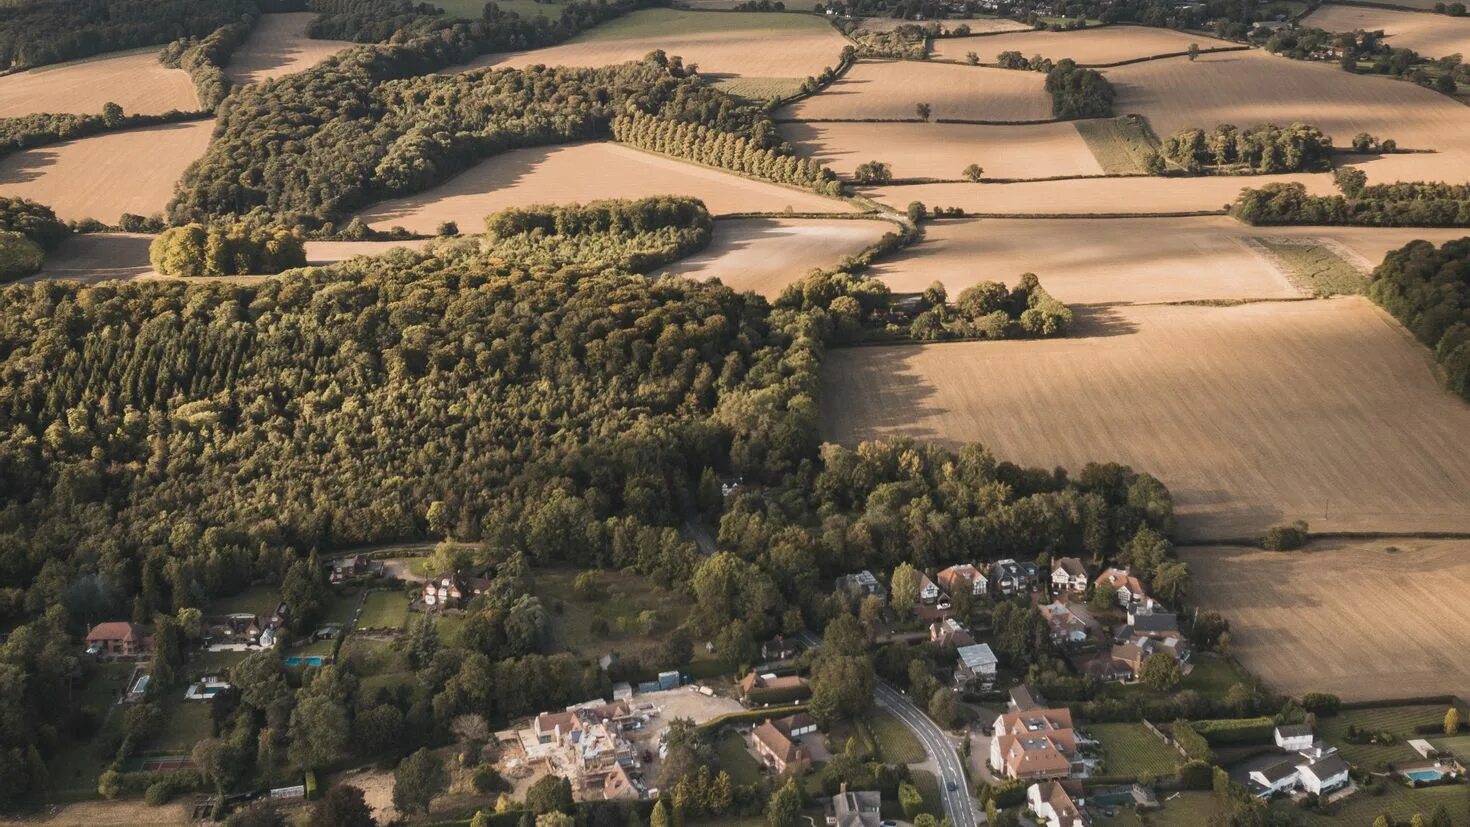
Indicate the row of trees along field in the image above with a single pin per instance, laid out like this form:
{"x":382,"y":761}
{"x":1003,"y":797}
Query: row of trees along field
{"x":54,"y":31}
{"x":628,"y":235}
{"x":1262,"y":149}
{"x":363,"y":127}
{"x":197,"y":250}
{"x":1428,"y":290}
{"x":205,"y":58}
{"x":1404,"y":204}
{"x":28,"y":131}
{"x":1077,"y":92}
{"x":27,"y":232}
{"x":748,"y":156}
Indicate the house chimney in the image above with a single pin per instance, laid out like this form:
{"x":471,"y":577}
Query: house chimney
{"x":843,"y":789}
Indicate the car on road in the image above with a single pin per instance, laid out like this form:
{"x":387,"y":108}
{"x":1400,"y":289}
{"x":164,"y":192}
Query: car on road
{"x":952,"y":786}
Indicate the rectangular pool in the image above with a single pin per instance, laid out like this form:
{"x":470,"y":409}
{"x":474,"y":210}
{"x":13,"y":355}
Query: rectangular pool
{"x":1424,"y":776}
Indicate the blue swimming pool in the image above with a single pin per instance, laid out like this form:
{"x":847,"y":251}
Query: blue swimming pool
{"x":1424,"y":776}
{"x":308,"y":660}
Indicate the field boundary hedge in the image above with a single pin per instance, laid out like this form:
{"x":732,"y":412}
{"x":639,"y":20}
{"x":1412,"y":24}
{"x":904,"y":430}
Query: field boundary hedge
{"x":1059,"y":216}
{"x":749,"y":716}
{"x":1113,"y":65}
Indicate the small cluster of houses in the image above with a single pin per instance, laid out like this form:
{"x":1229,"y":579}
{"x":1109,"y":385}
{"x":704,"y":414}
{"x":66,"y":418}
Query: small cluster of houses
{"x":1307,"y":766}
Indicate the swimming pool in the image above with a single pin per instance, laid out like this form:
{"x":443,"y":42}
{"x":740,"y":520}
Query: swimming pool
{"x":1424,"y":776}
{"x":307,"y":660}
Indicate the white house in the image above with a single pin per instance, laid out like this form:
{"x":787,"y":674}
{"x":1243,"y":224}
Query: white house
{"x":1058,"y":803}
{"x":1277,"y":778}
{"x":1324,"y":775}
{"x":1294,"y":737}
{"x":977,"y":666}
{"x":1068,"y":575}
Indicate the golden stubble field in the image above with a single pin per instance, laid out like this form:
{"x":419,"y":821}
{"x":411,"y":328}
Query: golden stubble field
{"x":134,"y":80}
{"x":96,"y":257}
{"x":892,"y":89}
{"x":978,"y":25}
{"x":583,"y":172}
{"x":104,"y":176}
{"x":1125,"y":260}
{"x":943,"y":150}
{"x":747,"y":44}
{"x":1364,"y":619}
{"x":1096,"y":46}
{"x":278,"y":46}
{"x":1092,"y":196}
{"x":1431,"y":35}
{"x":767,"y":254}
{"x":1247,"y":88}
{"x":1252,"y":415}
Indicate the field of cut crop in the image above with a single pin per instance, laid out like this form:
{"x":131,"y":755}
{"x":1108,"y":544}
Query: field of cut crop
{"x":1246,"y":88}
{"x":134,"y":80}
{"x":891,"y":89}
{"x":766,"y":254}
{"x":278,"y":46}
{"x":1252,"y":415}
{"x":107,"y":175}
{"x":747,"y":45}
{"x":1364,"y":619}
{"x":1109,"y":44}
{"x":106,"y":256}
{"x":1093,"y":196}
{"x":1431,"y":35}
{"x":978,"y":25}
{"x":943,"y":150}
{"x":583,"y":172}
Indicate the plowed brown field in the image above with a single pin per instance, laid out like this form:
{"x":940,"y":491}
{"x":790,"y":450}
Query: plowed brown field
{"x":943,"y":150}
{"x":891,"y":90}
{"x":278,"y":46}
{"x":136,"y":81}
{"x":1252,"y":415}
{"x":1364,"y":619}
{"x":767,"y":254}
{"x":1108,"y":44}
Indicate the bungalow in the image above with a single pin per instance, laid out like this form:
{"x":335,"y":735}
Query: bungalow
{"x":1012,"y":577}
{"x":964,"y":577}
{"x":1068,"y":575}
{"x":1129,"y":588}
{"x":778,"y":742}
{"x":861,"y":585}
{"x":976,"y":667}
{"x":1058,"y":803}
{"x":779,"y":648}
{"x":1066,"y":627}
{"x":119,"y":639}
{"x":1293,"y":737}
{"x":1324,"y":775}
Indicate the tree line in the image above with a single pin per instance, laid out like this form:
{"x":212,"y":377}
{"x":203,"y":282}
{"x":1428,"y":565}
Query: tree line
{"x":55,"y":31}
{"x":205,"y":58}
{"x":1428,"y":290}
{"x":1353,"y":49}
{"x":28,"y":131}
{"x":235,"y":250}
{"x":1405,"y":204}
{"x":1263,"y":149}
{"x":725,"y":150}
{"x":362,"y":127}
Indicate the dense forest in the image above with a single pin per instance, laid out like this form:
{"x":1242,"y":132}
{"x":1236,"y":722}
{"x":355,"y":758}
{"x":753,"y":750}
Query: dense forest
{"x":197,"y":250}
{"x":636,"y":236}
{"x":307,"y":148}
{"x":1428,"y":290}
{"x":53,"y":31}
{"x":205,"y":59}
{"x":1077,"y":92}
{"x":1263,"y":149}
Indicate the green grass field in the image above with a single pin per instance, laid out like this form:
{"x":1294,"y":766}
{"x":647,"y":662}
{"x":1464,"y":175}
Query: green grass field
{"x":1120,"y":145}
{"x":629,"y":615}
{"x":258,"y":599}
{"x":1213,"y":677}
{"x":384,"y":610}
{"x":1314,"y":267}
{"x":1187,"y":809}
{"x":185,"y":723}
{"x":1129,"y":749}
{"x":76,"y":765}
{"x":928,"y":787}
{"x":737,"y":760}
{"x":759,"y":89}
{"x":895,"y":742}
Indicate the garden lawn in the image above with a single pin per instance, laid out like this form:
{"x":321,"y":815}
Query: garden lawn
{"x":260,"y":599}
{"x":895,"y":742}
{"x":628,"y":613}
{"x":1399,"y":721}
{"x":1213,"y":677}
{"x":928,"y":787}
{"x":185,"y":723}
{"x":1131,"y":750}
{"x":76,"y":765}
{"x":384,"y":610}
{"x":737,"y":760}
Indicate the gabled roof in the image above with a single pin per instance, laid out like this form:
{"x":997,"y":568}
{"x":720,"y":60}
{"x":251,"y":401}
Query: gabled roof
{"x":776,"y":736}
{"x":1279,"y":771}
{"x":1326,"y":766}
{"x":1293,"y":730}
{"x":116,"y":630}
{"x":1071,"y":565}
{"x":1119,"y":579}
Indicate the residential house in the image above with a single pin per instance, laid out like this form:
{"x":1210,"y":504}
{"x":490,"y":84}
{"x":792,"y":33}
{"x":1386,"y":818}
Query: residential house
{"x":928,"y":591}
{"x":779,"y":648}
{"x":444,"y":591}
{"x":1150,"y":629}
{"x":1033,"y":745}
{"x":778,"y":742}
{"x":1129,"y":588}
{"x":1058,"y":803}
{"x":1277,"y":778}
{"x":612,"y":785}
{"x":1293,"y":737}
{"x":1325,"y":774}
{"x":1068,"y":575}
{"x":859,"y":809}
{"x":964,"y":577}
{"x":948,"y":632}
{"x":976,"y":667}
{"x":787,"y":686}
{"x":1103,"y":666}
{"x":1011,"y":577}
{"x":119,"y":639}
{"x":1311,"y":770}
{"x":861,"y":585}
{"x":346,"y":568}
{"x":1023,"y":699}
{"x":1066,"y":627}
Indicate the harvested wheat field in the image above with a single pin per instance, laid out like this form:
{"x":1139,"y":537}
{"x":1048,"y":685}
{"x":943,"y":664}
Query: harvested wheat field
{"x":134,"y":80}
{"x":978,"y":25}
{"x":767,"y":254}
{"x":1092,"y":47}
{"x":1246,"y":88}
{"x":107,"y":256}
{"x":943,"y":150}
{"x":1092,"y":261}
{"x":1431,"y":35}
{"x":1092,"y":196}
{"x":278,"y":46}
{"x":748,"y":45}
{"x":1299,"y":619}
{"x":1253,"y":415}
{"x":102,"y":177}
{"x":891,"y":89}
{"x":1101,"y":260}
{"x":583,"y":172}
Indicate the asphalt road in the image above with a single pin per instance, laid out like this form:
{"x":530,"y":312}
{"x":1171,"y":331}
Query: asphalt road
{"x":958,"y":805}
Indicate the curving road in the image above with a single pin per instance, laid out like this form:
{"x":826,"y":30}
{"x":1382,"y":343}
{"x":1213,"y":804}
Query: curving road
{"x":958,"y":806}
